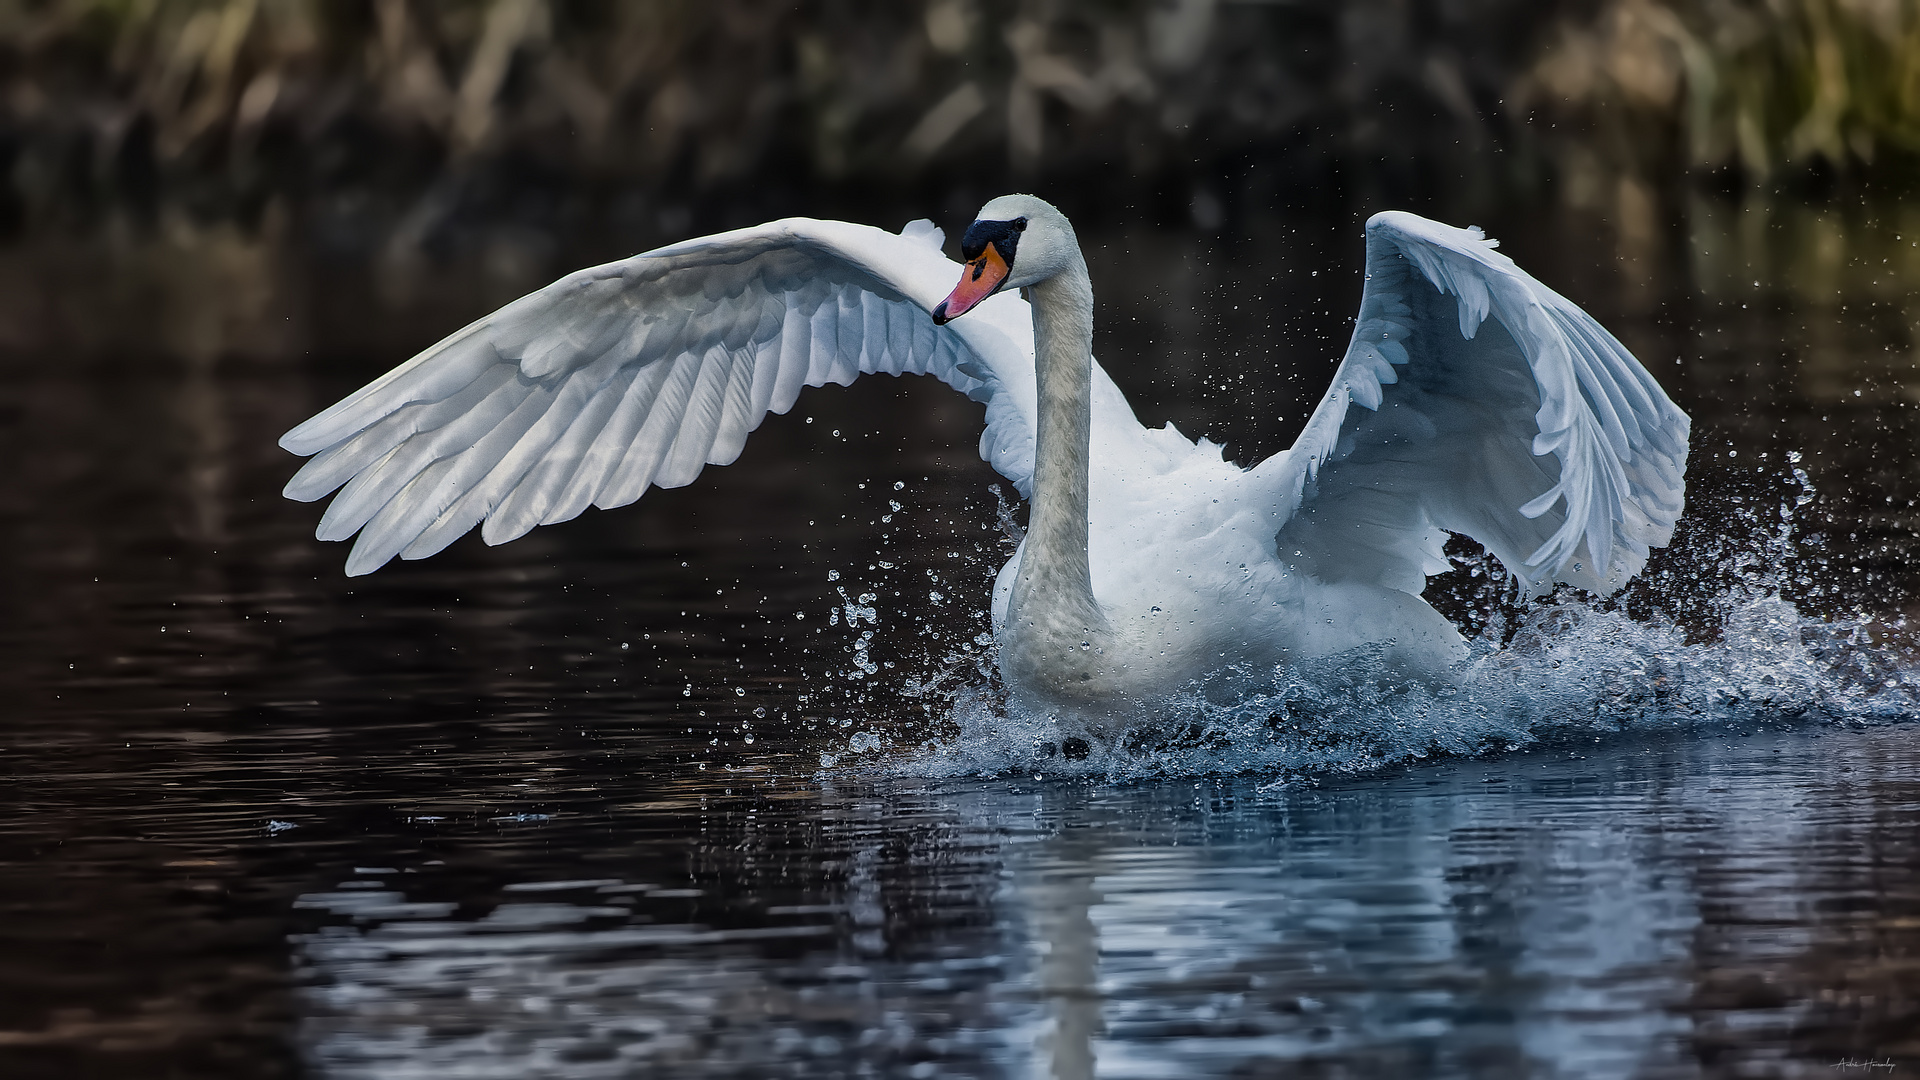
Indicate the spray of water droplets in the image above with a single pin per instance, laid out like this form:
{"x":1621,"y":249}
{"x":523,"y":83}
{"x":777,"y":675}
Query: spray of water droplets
{"x":1716,"y":637}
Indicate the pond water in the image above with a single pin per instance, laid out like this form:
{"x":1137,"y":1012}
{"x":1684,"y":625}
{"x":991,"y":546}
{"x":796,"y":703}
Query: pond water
{"x":629,"y":797}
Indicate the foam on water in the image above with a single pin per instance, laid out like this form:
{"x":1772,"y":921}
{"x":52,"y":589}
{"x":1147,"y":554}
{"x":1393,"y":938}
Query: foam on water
{"x":1738,"y":653}
{"x":1570,"y":671}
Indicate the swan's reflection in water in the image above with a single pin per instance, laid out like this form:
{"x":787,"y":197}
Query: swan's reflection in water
{"x":1616,"y":914}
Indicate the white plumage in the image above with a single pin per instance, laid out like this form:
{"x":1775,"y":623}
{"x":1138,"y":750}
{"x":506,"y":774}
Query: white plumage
{"x":637,"y":373}
{"x":1489,"y":405}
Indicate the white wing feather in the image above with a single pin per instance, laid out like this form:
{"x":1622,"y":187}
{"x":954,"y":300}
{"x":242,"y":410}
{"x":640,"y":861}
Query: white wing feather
{"x":1504,"y":412}
{"x":642,"y":372}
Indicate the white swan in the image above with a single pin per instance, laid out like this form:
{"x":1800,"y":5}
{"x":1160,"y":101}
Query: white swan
{"x":1490,"y":406}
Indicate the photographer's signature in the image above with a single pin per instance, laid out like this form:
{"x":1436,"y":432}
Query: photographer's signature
{"x":1857,"y":1063}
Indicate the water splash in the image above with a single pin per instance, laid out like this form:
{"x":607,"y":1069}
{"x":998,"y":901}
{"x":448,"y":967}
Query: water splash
{"x":1715,"y":637}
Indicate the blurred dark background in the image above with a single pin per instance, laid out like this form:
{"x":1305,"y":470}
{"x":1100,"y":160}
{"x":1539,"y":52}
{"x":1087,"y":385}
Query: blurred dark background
{"x":156,"y":153}
{"x":217,"y":216}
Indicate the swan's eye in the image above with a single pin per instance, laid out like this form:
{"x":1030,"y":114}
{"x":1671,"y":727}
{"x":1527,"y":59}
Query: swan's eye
{"x":1019,"y":224}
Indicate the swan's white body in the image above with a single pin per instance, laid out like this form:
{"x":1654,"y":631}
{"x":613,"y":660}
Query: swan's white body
{"x":1490,"y":406}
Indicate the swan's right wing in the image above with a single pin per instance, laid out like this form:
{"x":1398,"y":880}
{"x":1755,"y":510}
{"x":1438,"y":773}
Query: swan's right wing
{"x":1489,"y":405}
{"x":642,"y":372}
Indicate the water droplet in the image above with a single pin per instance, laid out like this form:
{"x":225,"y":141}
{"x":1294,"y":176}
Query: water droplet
{"x":760,"y":711}
{"x":833,"y":575}
{"x":899,"y":484}
{"x":739,"y":691}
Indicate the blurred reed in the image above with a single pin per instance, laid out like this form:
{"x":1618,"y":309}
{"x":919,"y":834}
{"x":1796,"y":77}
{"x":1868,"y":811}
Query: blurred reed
{"x":239,"y":98}
{"x":1757,"y":85}
{"x":1745,"y":94}
{"x":224,"y":106}
{"x":501,"y":141}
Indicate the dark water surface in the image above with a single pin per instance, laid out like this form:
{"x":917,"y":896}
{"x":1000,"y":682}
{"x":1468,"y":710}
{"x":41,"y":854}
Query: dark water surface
{"x":558,"y":808}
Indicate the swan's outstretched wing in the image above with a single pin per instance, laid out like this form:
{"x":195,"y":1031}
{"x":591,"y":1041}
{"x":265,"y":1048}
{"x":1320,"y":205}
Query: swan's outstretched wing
{"x":643,"y":372}
{"x":1491,"y":406}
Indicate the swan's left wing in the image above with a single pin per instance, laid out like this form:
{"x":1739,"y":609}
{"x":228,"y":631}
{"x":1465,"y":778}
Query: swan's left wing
{"x":1489,"y":405}
{"x":641,"y":373}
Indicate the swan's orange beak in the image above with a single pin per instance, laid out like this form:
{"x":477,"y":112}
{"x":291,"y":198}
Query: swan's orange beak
{"x":982,"y":276}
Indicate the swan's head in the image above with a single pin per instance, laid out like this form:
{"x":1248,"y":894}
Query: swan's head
{"x":1017,"y":241}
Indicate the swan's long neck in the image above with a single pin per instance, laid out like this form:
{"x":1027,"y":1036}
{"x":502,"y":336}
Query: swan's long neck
{"x":1053,"y":594}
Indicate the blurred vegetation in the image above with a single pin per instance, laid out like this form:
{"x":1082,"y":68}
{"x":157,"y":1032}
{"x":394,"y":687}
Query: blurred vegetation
{"x":1742,"y":95}
{"x":1755,"y":86}
{"x":397,"y":118}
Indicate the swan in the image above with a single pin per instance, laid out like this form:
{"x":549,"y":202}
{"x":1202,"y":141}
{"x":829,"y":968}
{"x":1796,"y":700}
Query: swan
{"x":1471,"y":399}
